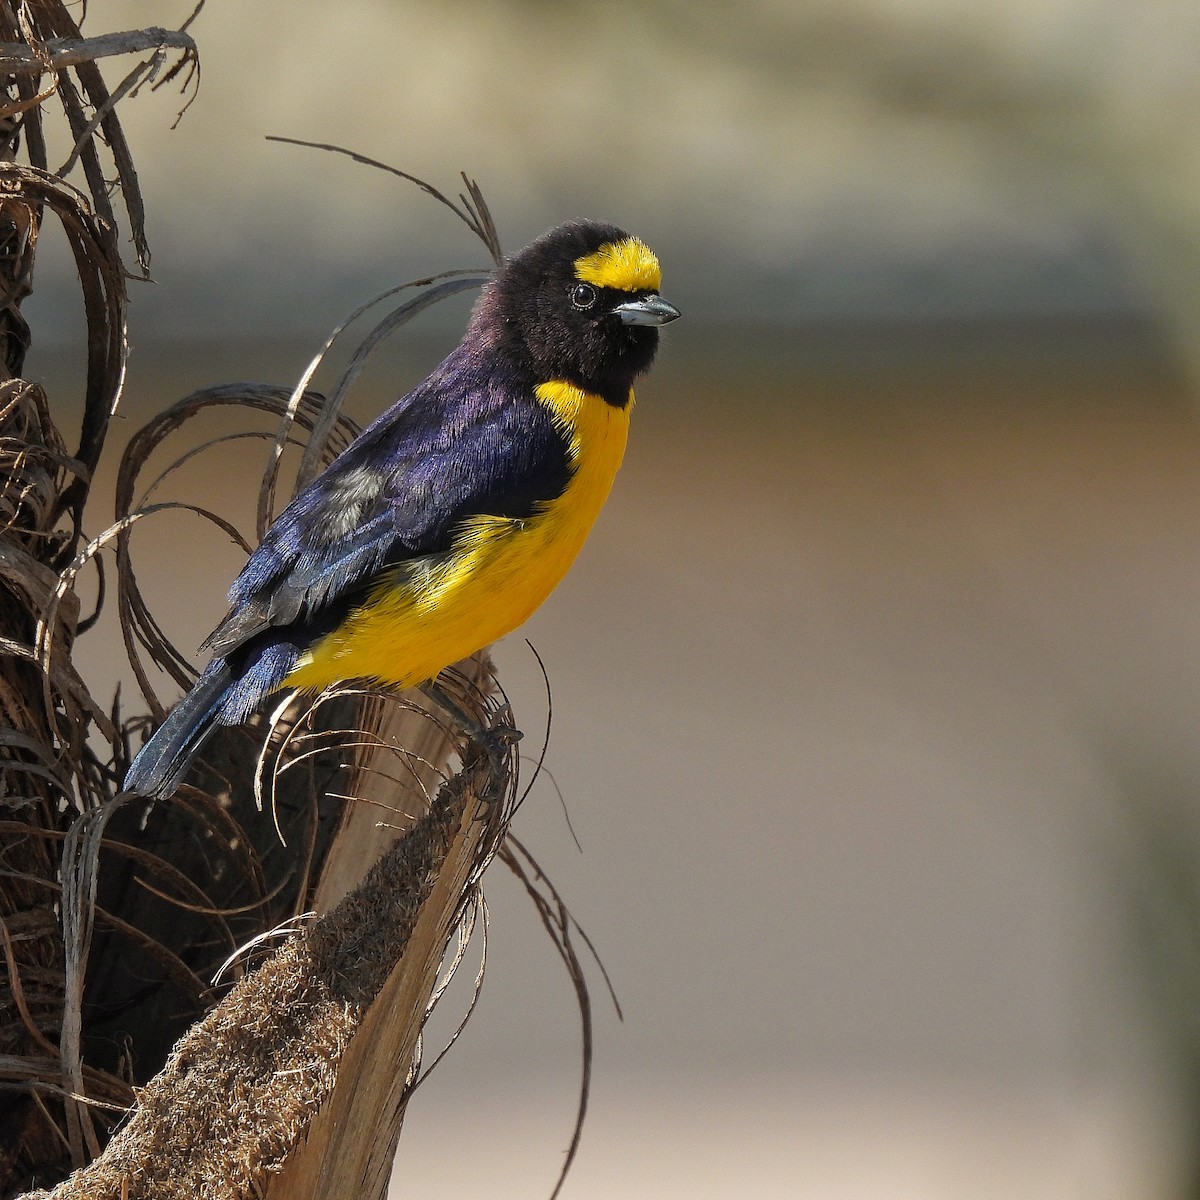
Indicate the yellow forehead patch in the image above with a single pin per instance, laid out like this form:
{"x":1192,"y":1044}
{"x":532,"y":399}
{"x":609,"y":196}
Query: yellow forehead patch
{"x":628,"y":265}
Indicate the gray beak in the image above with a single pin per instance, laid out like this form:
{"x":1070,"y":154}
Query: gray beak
{"x":646,"y":310}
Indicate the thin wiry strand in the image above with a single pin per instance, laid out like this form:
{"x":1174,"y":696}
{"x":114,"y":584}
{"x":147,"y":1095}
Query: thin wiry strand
{"x":474,"y":211}
{"x":558,"y":923}
{"x":539,"y":760}
{"x":274,"y":746}
{"x":516,"y":853}
{"x":284,"y":929}
{"x":317,"y":449}
{"x":310,"y":463}
{"x":64,"y":587}
{"x":157,"y":866}
{"x":195,"y":452}
{"x":220,"y":911}
{"x":143,"y":627}
{"x":138,"y":625}
{"x":477,"y":916}
{"x":291,"y":742}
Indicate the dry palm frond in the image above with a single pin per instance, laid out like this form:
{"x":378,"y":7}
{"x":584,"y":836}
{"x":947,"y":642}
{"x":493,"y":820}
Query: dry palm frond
{"x":277,"y":1059}
{"x":307,"y":746}
{"x":279,"y":820}
{"x":44,"y":54}
{"x":52,"y":732}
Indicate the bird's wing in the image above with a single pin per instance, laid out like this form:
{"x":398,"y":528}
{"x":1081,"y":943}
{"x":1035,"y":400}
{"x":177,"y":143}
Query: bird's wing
{"x":397,"y":494}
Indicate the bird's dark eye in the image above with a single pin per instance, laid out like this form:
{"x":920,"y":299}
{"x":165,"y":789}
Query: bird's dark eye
{"x":583,"y":295}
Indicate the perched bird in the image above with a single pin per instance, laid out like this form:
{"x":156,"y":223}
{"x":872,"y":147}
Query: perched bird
{"x":453,"y":515}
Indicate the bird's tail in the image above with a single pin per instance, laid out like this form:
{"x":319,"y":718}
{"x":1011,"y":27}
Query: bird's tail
{"x":162,"y":761}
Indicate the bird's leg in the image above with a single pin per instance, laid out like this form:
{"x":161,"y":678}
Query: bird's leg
{"x":494,"y":740}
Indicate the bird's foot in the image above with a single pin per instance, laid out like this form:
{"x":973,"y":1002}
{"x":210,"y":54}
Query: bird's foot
{"x":495,"y":740}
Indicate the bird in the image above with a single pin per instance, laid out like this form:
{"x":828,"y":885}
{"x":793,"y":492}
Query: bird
{"x":456,"y":512}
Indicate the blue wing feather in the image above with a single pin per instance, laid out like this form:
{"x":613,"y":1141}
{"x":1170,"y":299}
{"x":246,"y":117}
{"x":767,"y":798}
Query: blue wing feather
{"x":462,"y":443}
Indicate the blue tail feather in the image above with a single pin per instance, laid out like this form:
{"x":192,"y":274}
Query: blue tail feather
{"x":162,"y":761}
{"x":226,"y":694}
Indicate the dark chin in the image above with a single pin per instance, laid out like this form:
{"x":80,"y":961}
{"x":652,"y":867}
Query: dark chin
{"x":625,"y":358}
{"x":641,"y":345}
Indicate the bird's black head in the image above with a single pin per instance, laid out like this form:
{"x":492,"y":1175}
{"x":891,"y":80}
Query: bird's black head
{"x":581,"y":303}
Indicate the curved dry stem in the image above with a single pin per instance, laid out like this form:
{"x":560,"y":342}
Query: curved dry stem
{"x":435,"y":292}
{"x":472,"y":208}
{"x":138,"y":625}
{"x":321,"y":446}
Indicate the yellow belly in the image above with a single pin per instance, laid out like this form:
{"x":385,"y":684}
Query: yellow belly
{"x":495,"y":575}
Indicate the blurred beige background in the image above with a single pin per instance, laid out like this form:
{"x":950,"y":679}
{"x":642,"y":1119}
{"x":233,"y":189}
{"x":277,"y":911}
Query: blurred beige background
{"x":876,"y":689}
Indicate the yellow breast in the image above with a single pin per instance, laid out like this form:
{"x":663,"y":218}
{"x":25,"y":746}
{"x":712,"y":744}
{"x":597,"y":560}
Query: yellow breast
{"x":498,"y":570}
